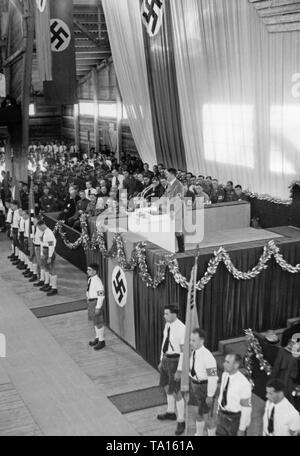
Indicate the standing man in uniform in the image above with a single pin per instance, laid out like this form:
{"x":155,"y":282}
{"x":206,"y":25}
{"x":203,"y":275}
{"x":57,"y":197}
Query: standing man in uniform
{"x":204,"y":378}
{"x":175,"y":193}
{"x":234,"y":404}
{"x":36,"y":255}
{"x":280,"y":418}
{"x":48,"y":244}
{"x":14,"y":232}
{"x":170,"y":367}
{"x":95,"y":299}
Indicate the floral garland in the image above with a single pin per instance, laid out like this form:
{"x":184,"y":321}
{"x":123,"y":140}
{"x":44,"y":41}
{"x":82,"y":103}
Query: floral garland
{"x":138,"y":259}
{"x":254,"y":349}
{"x":268,"y":198}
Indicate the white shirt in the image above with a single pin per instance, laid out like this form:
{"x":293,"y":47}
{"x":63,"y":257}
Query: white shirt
{"x":16,"y":219}
{"x":239,"y":395}
{"x":9,"y":215}
{"x":26,"y":227}
{"x":177,"y":338}
{"x":21,"y":225}
{"x":120,"y":179}
{"x":96,"y":290}
{"x":89,"y":192}
{"x":206,"y":369}
{"x":101,"y":202}
{"x":49,"y":241}
{"x":37,"y":236}
{"x":286,"y":418}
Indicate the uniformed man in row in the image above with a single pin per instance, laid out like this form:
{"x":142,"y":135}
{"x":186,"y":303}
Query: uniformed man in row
{"x":36,"y":237}
{"x":21,"y":229}
{"x":170,"y":367}
{"x":8,"y":220}
{"x":95,"y":300}
{"x":28,"y":273}
{"x":281,"y":419}
{"x":14,"y":232}
{"x":234,"y":403}
{"x":48,"y":273}
{"x":204,"y":380}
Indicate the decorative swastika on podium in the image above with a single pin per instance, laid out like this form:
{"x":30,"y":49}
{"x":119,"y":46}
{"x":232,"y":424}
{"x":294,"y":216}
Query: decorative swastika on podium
{"x":60,"y":35}
{"x":152,"y":14}
{"x":119,"y":286}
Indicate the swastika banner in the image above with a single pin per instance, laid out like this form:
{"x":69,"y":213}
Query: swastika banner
{"x":62,"y":90}
{"x":152,"y":15}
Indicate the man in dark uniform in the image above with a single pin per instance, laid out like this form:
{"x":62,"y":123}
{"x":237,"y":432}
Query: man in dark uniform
{"x":175,"y":192}
{"x":170,"y":367}
{"x":47,"y":201}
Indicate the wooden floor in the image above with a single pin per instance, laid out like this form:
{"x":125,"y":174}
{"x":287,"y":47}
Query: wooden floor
{"x":72,"y":282}
{"x":53,"y":383}
{"x":61,"y":399}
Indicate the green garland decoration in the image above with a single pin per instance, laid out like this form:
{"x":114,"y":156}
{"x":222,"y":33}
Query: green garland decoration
{"x":254,"y":350}
{"x":138,"y":259}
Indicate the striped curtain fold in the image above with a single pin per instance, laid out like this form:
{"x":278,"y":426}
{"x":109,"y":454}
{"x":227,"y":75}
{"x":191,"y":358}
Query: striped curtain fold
{"x":163,"y":92}
{"x":124,"y":26}
{"x":43,"y":41}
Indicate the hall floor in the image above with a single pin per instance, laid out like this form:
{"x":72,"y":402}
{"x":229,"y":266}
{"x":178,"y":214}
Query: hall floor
{"x":53,"y":383}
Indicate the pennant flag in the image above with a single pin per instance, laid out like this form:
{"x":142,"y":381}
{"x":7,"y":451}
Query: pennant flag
{"x":41,"y":4}
{"x":2,"y":86}
{"x":31,"y":206}
{"x":152,"y":15}
{"x":191,"y":323}
{"x":62,"y":89}
{"x":43,"y":45}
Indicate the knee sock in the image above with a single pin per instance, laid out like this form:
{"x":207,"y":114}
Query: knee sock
{"x":16,"y":252}
{"x":180,"y":410}
{"x":101,"y":334}
{"x":53,"y":282}
{"x":42,"y":275}
{"x":34,"y":269}
{"x":200,"y":428}
{"x":171,"y":403}
{"x":29,"y":264}
{"x":211,"y":432}
{"x":47,"y":278}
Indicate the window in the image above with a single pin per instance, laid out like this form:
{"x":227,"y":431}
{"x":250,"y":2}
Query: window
{"x":32,"y":109}
{"x":86,"y":108}
{"x":108,"y":110}
{"x":228,"y":134}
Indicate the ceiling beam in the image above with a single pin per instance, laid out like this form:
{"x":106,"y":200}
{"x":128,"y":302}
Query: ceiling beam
{"x":86,"y":32}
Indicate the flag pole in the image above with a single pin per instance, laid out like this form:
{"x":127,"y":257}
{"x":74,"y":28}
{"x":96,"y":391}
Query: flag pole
{"x":191,"y":308}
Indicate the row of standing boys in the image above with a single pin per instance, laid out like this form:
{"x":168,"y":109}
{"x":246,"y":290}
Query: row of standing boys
{"x":33,"y":248}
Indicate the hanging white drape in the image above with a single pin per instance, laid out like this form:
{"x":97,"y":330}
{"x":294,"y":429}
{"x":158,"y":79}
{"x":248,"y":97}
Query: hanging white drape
{"x":241,"y":121}
{"x":125,"y":32}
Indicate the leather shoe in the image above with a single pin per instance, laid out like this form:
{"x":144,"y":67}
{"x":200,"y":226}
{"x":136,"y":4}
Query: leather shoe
{"x":100,"y":346}
{"x":11,"y":257}
{"x":167,"y":416}
{"x":16,"y":262}
{"x":94,"y":343}
{"x":39,"y":284}
{"x":33,"y":279}
{"x":180,"y":428}
{"x":52,"y":293}
{"x":28,"y":275}
{"x":46,"y":288}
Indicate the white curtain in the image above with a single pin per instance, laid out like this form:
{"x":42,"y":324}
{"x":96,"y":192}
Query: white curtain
{"x":241,"y":121}
{"x":125,"y":32}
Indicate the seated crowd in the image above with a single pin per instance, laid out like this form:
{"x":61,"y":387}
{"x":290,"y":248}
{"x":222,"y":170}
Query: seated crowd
{"x":72,"y":185}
